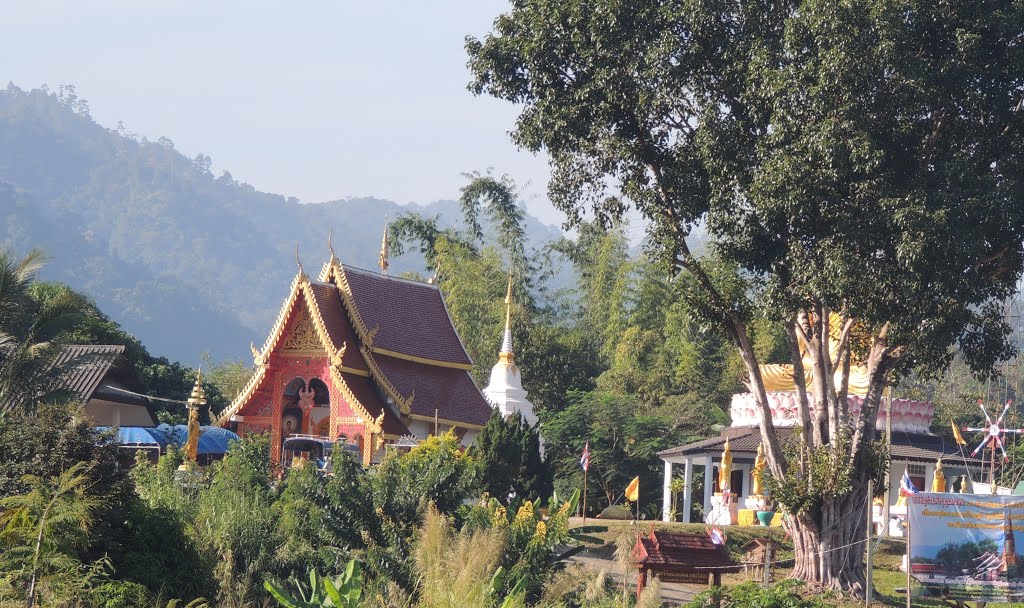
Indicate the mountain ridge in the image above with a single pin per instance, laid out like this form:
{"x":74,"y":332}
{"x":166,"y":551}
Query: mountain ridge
{"x":187,"y":261}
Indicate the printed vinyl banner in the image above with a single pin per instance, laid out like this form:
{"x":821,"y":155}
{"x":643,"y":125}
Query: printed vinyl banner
{"x":964,"y":547}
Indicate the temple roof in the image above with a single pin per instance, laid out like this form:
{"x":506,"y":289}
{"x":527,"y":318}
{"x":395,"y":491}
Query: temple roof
{"x":339,"y":329}
{"x":905,"y":446}
{"x":363,"y":390}
{"x":449,"y":390}
{"x":406,"y":317}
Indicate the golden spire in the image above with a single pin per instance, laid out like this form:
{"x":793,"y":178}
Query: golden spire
{"x":382,"y":261}
{"x":505,"y":356}
{"x":330,"y":246}
{"x":198,"y":397}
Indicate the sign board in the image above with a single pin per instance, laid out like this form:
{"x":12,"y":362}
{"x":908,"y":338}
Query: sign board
{"x":693,"y":578}
{"x":964,"y":547}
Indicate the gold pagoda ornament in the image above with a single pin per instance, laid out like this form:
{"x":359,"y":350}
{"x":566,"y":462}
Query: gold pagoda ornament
{"x":195,"y":401}
{"x":382,"y":260}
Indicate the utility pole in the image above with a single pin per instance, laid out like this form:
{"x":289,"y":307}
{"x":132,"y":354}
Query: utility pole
{"x":869,"y":586}
{"x":888,"y":447}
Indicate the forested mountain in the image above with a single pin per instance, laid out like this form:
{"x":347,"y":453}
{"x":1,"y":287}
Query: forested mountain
{"x":186,"y":260}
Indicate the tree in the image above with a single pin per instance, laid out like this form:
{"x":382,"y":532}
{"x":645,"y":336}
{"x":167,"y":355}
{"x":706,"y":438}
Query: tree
{"x":31,"y":333}
{"x":44,"y":529}
{"x":861,"y":158}
{"x":511,"y":463}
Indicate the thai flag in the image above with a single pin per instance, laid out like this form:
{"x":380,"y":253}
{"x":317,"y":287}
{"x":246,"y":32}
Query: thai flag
{"x":585,"y":459}
{"x":906,"y":485}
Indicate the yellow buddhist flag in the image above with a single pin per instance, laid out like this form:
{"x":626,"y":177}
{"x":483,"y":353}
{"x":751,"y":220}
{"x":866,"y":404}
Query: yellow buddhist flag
{"x":956,"y":433}
{"x":633,"y":490}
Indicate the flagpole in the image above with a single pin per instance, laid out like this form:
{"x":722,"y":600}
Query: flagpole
{"x":585,"y":493}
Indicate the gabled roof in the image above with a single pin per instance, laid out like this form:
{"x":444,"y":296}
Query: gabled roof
{"x":399,"y":317}
{"x":88,"y":365}
{"x":394,"y":331}
{"x":450,"y":391}
{"x":678,"y":550}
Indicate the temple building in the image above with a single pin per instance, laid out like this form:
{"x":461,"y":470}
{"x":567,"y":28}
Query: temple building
{"x":363,"y":357}
{"x":914,"y":450}
{"x":505,"y":391}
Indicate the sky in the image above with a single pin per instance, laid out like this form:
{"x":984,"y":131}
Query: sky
{"x":319,"y":100}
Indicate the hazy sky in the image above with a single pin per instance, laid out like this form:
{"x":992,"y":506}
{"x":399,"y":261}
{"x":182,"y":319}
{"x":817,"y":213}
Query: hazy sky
{"x":320,"y":100}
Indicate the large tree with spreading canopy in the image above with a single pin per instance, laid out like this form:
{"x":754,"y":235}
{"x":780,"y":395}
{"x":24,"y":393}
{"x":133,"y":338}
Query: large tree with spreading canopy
{"x":859,"y":164}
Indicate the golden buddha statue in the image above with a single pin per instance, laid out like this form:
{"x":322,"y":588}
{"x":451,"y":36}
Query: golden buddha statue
{"x":779,"y":377}
{"x":760,"y":463}
{"x":939,"y":481}
{"x":725,"y":469}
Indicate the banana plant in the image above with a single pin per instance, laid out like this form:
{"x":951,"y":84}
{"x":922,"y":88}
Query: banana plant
{"x":344,"y":591}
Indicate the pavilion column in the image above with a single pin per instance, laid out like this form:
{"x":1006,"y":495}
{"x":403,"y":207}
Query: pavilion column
{"x":688,"y":489}
{"x":709,"y":484}
{"x":666,"y":494}
{"x":277,"y":397}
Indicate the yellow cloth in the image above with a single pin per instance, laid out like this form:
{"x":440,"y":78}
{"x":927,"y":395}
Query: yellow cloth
{"x":956,"y":433}
{"x":746,"y":517}
{"x":633,"y":490}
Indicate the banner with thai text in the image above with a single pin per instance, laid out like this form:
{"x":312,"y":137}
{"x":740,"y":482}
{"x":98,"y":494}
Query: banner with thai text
{"x":963,"y":546}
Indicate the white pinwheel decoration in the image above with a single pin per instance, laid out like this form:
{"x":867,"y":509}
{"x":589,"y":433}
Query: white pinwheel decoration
{"x":993,"y":431}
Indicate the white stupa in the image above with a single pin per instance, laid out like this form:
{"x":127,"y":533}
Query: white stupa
{"x":505,"y":392}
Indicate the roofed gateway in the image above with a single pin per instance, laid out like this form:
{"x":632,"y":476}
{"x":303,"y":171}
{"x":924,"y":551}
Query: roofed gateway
{"x":360,"y":356}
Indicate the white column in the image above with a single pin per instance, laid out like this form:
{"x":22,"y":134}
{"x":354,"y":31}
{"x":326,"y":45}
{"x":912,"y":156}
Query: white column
{"x":709,"y":484}
{"x":666,"y":494}
{"x":929,"y":477}
{"x":687,"y":491}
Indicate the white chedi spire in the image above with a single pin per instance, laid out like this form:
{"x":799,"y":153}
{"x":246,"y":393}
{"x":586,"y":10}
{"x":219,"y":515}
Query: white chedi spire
{"x":505,"y":391}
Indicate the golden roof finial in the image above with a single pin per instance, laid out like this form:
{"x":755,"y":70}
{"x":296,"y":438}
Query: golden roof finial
{"x":505,"y":355}
{"x":298,"y":262}
{"x":330,"y":246}
{"x":382,"y":261}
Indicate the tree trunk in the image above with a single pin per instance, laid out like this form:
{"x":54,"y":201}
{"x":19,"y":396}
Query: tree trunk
{"x":829,"y":547}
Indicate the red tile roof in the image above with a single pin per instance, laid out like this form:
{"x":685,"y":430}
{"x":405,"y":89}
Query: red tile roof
{"x":449,"y":390}
{"x":680,"y":551}
{"x":409,"y":317}
{"x":364,"y":391}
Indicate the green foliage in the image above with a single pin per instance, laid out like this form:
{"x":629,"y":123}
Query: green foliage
{"x":344,"y":591}
{"x":508,"y":452}
{"x":624,"y":441}
{"x":785,"y":594}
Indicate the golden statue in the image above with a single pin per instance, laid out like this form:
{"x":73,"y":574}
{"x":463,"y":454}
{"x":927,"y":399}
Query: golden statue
{"x":939,"y":481}
{"x":196,"y":400}
{"x":779,"y":377}
{"x":760,"y":463}
{"x":725,"y":469}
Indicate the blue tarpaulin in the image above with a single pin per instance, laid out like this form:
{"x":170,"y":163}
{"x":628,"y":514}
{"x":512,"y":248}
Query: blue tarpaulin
{"x":139,"y":436}
{"x":212,"y":439}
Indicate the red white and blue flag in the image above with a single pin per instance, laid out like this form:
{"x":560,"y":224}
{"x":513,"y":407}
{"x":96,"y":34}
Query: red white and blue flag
{"x":907,"y":486}
{"x":585,"y":459}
